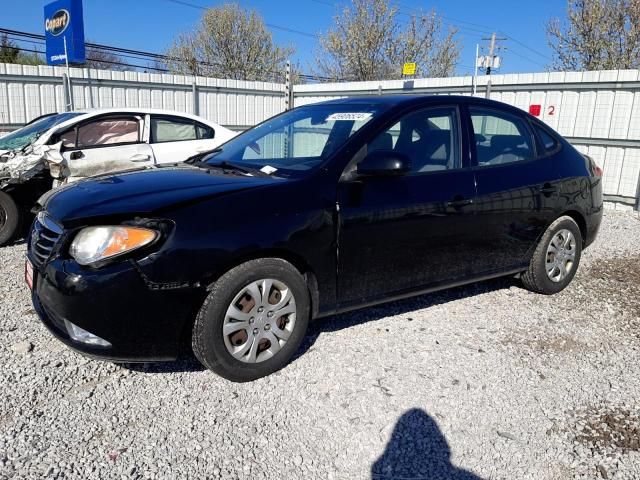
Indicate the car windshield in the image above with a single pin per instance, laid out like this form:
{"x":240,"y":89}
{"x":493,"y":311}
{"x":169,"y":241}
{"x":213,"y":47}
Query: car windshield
{"x":27,"y":134}
{"x":297,"y":141}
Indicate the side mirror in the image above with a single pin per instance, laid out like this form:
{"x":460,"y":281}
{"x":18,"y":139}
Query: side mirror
{"x":384,"y":163}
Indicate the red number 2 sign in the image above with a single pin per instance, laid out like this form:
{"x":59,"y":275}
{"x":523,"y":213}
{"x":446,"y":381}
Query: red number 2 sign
{"x":552,"y":110}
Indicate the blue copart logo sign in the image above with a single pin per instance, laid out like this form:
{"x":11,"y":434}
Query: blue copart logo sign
{"x":58,"y":23}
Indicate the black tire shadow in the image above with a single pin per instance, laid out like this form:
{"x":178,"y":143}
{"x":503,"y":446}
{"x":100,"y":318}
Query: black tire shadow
{"x":16,"y":242}
{"x":186,"y":363}
{"x":400,"y":307}
{"x":417,"y":450}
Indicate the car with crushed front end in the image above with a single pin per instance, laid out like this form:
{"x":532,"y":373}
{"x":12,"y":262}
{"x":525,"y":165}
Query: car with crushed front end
{"x":59,"y":148}
{"x":323,"y":209}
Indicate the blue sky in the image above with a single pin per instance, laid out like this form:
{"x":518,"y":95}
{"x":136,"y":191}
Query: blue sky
{"x":150,"y":25}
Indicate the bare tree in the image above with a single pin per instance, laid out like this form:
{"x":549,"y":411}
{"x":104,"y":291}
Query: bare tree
{"x":596,"y":35}
{"x":229,"y":42}
{"x":104,"y":60}
{"x":368,"y":43}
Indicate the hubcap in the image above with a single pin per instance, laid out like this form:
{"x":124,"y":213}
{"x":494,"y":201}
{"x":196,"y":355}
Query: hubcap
{"x":259,"y":320}
{"x":561,"y":255}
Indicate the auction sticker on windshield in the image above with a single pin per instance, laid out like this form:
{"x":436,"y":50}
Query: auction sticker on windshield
{"x":353,"y":116}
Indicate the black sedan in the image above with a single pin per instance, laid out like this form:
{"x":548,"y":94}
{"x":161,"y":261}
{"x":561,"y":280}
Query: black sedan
{"x":322,"y":209}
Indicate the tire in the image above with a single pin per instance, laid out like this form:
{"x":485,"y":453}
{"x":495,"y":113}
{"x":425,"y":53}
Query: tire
{"x":10,"y":219}
{"x":540,"y":277}
{"x":214,"y":350}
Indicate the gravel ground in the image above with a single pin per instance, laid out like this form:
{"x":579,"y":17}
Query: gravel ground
{"x":487,"y":381}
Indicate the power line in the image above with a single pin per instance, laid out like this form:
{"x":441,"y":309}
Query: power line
{"x":487,"y":29}
{"x":28,"y":37}
{"x":509,"y":37}
{"x":271,"y":25}
{"x":110,"y":62}
{"x":524,"y":57}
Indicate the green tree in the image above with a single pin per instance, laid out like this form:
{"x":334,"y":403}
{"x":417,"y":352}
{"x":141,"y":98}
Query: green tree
{"x":10,"y":53}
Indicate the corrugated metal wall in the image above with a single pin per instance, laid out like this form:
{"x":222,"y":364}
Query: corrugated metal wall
{"x":599,"y":112}
{"x":27,"y":92}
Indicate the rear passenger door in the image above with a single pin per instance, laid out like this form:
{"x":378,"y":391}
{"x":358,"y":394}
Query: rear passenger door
{"x":174,"y":139}
{"x":517,"y":188}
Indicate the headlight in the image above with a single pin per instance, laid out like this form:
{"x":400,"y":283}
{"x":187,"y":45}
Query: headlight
{"x":94,"y":244}
{"x":55,"y":170}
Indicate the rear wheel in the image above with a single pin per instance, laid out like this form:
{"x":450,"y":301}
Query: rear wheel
{"x":10,"y":219}
{"x":253,"y":321}
{"x":556,"y":258}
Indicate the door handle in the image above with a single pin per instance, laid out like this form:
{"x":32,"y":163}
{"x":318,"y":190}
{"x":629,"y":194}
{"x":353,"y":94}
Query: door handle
{"x":76,"y":155}
{"x":548,"y":189}
{"x":460,"y":202}
{"x":140,"y":158}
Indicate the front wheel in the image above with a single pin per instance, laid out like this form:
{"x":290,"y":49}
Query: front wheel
{"x":253,"y":321}
{"x":10,"y":219}
{"x":556,"y":258}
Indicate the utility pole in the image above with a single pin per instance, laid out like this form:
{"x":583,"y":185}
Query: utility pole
{"x":288,"y":88}
{"x":475,"y":71}
{"x":491,"y":60}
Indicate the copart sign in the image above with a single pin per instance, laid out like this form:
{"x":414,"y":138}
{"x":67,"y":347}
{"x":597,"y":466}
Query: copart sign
{"x":64,"y":32}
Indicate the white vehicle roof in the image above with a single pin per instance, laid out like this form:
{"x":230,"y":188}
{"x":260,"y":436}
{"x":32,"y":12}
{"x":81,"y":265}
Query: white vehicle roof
{"x":93,"y":112}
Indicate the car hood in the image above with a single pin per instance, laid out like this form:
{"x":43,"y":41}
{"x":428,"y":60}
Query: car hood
{"x":142,"y":192}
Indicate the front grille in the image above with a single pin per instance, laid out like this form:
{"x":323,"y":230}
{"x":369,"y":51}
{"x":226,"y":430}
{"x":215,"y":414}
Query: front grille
{"x":44,"y":238}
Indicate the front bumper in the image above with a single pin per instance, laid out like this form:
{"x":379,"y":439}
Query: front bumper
{"x":141,"y":323}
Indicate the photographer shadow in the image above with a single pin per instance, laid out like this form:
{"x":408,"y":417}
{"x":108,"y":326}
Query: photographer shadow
{"x":417,"y":450}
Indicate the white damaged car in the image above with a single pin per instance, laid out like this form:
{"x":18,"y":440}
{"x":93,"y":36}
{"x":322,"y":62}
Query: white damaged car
{"x":59,"y":148}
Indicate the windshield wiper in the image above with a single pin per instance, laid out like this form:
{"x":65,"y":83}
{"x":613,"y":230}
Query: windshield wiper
{"x":234,"y":166}
{"x":195,"y":159}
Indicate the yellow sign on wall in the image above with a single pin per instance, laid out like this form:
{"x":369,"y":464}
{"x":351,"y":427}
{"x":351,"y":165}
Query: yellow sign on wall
{"x":409,"y":68}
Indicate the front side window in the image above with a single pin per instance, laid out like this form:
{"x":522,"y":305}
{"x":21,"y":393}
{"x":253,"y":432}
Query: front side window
{"x":172,"y":129}
{"x":108,"y":131}
{"x":428,"y":137}
{"x":31,"y":132}
{"x":500,"y":137}
{"x":298,"y":140}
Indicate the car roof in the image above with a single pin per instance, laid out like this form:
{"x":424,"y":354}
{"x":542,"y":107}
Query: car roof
{"x":157,"y":111}
{"x":397,"y":100}
{"x":85,"y":114}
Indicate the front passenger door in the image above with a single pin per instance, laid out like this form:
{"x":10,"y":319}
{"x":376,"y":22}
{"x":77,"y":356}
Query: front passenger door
{"x":403,"y":233}
{"x":105,"y":145}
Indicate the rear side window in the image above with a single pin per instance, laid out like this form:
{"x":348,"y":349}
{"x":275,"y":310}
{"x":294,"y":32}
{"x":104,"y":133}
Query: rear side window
{"x":500,"y":137}
{"x":549,"y":143}
{"x":205,"y":132}
{"x":102,"y":132}
{"x":172,"y":129}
